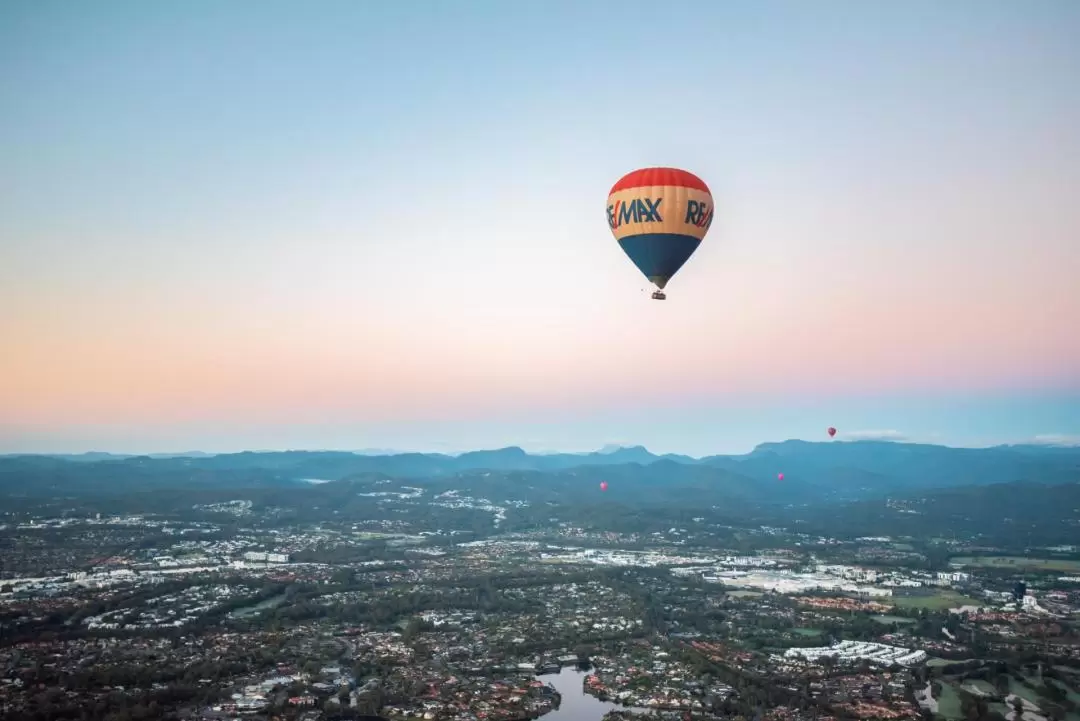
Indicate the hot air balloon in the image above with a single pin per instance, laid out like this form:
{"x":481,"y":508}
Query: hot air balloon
{"x":779,"y":476}
{"x":603,"y":485}
{"x":659,"y":216}
{"x":832,"y":431}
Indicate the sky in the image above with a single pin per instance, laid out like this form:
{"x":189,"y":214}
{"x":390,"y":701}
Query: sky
{"x":345,"y":224}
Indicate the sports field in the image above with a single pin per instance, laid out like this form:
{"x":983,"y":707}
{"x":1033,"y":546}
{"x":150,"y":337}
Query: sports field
{"x":937,"y":601}
{"x":1062,"y":565}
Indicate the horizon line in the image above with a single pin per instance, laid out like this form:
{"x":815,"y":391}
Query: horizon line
{"x":603,"y":450}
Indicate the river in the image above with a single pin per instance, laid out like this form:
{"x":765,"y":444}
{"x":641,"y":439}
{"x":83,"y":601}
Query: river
{"x":576,"y":705}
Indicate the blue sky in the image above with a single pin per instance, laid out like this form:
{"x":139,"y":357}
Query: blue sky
{"x":349,"y":224}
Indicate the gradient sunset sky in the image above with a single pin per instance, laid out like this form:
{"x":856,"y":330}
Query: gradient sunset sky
{"x":352,"y":224}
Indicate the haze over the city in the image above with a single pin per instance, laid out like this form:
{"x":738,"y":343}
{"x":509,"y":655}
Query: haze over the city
{"x":351,"y":225}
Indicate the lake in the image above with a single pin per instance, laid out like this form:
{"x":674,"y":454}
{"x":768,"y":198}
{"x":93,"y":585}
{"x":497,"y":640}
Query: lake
{"x":576,"y":704}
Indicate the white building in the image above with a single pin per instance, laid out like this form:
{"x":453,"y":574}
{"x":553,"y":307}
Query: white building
{"x":850,"y":651}
{"x":266,"y":557}
{"x":948,"y":577}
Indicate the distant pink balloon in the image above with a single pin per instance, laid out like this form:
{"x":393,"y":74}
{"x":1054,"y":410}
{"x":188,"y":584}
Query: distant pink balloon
{"x":780,"y":476}
{"x":603,"y":485}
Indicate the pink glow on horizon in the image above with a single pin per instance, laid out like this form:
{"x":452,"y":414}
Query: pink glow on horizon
{"x":304,"y":372}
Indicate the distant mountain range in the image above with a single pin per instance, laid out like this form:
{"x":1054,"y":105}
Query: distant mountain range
{"x":839,"y":470}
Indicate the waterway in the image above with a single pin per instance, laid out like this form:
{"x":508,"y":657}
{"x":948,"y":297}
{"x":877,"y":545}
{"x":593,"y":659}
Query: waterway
{"x":576,"y":705}
{"x":245,"y":611}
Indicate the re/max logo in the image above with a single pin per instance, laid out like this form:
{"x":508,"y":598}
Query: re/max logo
{"x":698,"y":214}
{"x":636,"y":210}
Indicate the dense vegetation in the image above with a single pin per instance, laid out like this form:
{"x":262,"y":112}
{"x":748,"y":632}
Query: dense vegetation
{"x":1022,"y":494}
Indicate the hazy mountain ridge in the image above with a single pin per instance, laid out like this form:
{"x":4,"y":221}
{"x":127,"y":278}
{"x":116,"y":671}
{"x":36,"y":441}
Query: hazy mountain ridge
{"x":894,"y":466}
{"x":813,"y":471}
{"x":846,"y":490}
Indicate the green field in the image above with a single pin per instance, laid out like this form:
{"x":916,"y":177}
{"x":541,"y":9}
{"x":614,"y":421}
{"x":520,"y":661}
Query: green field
{"x":1019,"y":689}
{"x":1074,"y":696}
{"x":949,"y":702}
{"x":979,"y":687}
{"x":389,"y":537}
{"x":893,"y":619}
{"x":938,"y":601}
{"x":807,"y":631}
{"x":1026,"y":693}
{"x":745,"y":594}
{"x":1062,"y":565}
{"x":943,"y":662}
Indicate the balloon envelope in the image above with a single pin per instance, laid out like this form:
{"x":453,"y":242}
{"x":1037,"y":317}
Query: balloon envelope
{"x":780,"y":476}
{"x":659,"y":216}
{"x":832,"y":431}
{"x":603,"y":485}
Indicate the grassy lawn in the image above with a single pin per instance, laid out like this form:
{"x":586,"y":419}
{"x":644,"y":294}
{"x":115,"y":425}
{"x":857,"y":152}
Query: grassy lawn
{"x":893,"y":619}
{"x":1062,"y":565}
{"x":949,"y":702}
{"x":1025,"y":693}
{"x":1015,"y":687}
{"x":806,"y":631}
{"x":1073,"y":695}
{"x":944,"y":662}
{"x":936,"y":601}
{"x":980,"y":687}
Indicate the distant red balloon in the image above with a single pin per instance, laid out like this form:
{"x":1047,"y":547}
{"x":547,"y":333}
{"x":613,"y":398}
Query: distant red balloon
{"x":603,"y":485}
{"x":832,"y":431}
{"x":779,"y":476}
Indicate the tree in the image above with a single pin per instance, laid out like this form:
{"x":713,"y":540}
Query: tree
{"x":1054,"y":712}
{"x":829,"y":663}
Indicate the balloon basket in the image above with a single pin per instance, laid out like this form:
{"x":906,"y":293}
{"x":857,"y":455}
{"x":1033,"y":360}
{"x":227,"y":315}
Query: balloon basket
{"x":659,"y":295}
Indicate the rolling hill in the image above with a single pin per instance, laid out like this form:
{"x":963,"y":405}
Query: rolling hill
{"x":814,"y":472}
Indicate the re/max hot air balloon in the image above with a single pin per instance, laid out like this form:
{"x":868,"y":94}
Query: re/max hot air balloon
{"x":659,"y":216}
{"x":832,"y":431}
{"x":603,"y":485}
{"x":779,"y":476}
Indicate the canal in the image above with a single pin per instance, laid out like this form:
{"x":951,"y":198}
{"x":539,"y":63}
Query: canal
{"x":245,"y":611}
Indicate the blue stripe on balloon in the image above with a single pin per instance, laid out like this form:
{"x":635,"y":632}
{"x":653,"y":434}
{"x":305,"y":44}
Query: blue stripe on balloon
{"x":659,"y":255}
